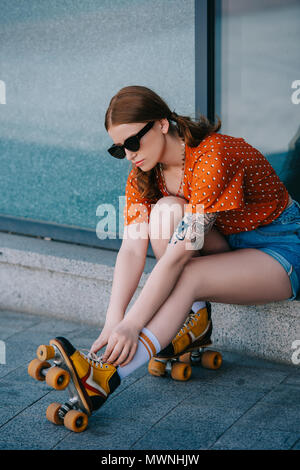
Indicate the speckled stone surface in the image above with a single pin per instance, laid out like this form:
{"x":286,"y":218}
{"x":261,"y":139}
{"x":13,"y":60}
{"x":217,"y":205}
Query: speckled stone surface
{"x":268,"y":331}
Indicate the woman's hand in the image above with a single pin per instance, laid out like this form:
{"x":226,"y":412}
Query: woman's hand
{"x":122,"y":344}
{"x":102,"y":339}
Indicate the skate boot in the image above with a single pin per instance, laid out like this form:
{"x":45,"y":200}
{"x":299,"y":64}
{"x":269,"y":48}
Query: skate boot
{"x":188,"y":348}
{"x":89,"y":381}
{"x":195,"y":331}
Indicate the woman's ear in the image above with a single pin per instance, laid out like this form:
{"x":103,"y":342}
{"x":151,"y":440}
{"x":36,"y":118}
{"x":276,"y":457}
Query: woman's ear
{"x":164,"y":125}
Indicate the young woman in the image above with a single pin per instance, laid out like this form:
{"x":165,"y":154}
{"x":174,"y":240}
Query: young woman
{"x":234,"y":236}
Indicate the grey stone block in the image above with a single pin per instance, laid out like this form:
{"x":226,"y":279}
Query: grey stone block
{"x":297,"y":445}
{"x":283,"y":395}
{"x":293,"y":378}
{"x":265,"y":331}
{"x":21,"y":347}
{"x":159,"y":438}
{"x":64,"y":286}
{"x":103,"y":434}
{"x":18,"y":391}
{"x":12,"y":322}
{"x":241,"y":437}
{"x":226,"y":396}
{"x":273,"y":417}
{"x":31,"y":430}
{"x":236,"y":375}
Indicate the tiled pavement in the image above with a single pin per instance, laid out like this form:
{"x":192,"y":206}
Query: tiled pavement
{"x":246,"y":404}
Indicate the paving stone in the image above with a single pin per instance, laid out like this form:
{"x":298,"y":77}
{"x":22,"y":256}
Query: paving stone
{"x":18,"y":391}
{"x":257,"y":363}
{"x":13,"y":322}
{"x":255,"y":438}
{"x":31,"y":430}
{"x":103,"y":434}
{"x":160,"y":438}
{"x":234,"y":374}
{"x":283,"y":395}
{"x":297,"y":445}
{"x":294,"y":378}
{"x":241,"y":398}
{"x":273,"y":417}
{"x":21,"y":347}
{"x":17,"y":320}
{"x":246,"y":404}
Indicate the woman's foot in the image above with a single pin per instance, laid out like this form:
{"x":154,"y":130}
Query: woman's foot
{"x":196,"y":331}
{"x":94,"y":380}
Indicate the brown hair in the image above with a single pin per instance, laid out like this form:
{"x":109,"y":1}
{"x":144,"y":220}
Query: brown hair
{"x":140,"y":104}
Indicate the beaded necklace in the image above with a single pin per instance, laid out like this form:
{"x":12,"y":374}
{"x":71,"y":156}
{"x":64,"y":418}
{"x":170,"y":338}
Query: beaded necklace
{"x":182,"y":176}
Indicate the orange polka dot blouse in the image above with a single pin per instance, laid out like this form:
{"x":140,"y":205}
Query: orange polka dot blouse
{"x":228,"y":176}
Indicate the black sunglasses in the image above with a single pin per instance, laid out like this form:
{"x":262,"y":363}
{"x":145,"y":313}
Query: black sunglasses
{"x":132,"y":143}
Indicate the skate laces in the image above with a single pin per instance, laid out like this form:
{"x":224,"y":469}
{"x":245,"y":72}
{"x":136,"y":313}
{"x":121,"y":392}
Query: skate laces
{"x":92,"y":358}
{"x":192,"y":318}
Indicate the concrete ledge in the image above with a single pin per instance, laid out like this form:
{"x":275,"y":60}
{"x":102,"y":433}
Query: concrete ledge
{"x":73,"y":282}
{"x":62,"y":280}
{"x":265,"y":331}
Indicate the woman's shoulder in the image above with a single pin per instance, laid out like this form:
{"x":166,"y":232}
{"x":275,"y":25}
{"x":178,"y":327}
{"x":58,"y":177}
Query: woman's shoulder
{"x":214,"y":143}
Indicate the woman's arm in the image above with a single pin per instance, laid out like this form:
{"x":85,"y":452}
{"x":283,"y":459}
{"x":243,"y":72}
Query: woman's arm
{"x":128,"y":269}
{"x":129,"y":266}
{"x":127,"y":273}
{"x":186,"y":240}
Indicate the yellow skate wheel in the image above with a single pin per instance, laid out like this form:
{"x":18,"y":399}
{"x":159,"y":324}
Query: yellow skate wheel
{"x":52,"y":414}
{"x":76,"y":421}
{"x":45,"y":352}
{"x":181,"y":371}
{"x":57,"y":378}
{"x":156,"y":367}
{"x":35,"y":368}
{"x":186,"y":358}
{"x":211,"y":360}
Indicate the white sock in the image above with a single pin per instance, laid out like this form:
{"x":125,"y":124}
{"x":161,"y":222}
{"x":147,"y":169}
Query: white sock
{"x":148,"y":346}
{"x":198,"y":305}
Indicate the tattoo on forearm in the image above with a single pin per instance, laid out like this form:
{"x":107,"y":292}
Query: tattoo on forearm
{"x":209,"y":220}
{"x":193,"y":228}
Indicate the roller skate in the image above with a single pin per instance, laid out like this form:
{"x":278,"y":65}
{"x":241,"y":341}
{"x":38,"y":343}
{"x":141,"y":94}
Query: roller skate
{"x":88,"y":380}
{"x":188,"y":348}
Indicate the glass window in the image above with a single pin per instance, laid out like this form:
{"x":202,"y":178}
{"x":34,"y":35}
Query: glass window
{"x":61,"y":62}
{"x":260,"y":82}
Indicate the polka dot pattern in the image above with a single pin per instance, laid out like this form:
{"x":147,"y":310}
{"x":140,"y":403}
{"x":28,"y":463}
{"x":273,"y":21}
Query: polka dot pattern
{"x":228,"y":176}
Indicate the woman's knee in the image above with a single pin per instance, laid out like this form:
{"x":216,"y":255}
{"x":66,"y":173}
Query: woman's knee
{"x":165,"y":216}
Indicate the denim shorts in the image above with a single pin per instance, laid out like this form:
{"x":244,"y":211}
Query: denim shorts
{"x":280,"y":239}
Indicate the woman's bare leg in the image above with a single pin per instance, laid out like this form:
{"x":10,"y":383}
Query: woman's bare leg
{"x":244,"y":277}
{"x":161,"y":229}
